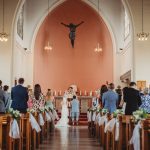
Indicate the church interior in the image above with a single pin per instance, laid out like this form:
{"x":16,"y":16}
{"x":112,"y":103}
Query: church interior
{"x":74,"y":74}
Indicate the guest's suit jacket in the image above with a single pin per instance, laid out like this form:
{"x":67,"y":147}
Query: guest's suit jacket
{"x":75,"y":105}
{"x":109,"y":100}
{"x":19,"y":97}
{"x":132,"y":99}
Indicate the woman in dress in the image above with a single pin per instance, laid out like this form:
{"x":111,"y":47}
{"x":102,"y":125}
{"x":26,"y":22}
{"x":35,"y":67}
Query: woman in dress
{"x":63,"y":122}
{"x":37,"y":98}
{"x":145,"y":101}
{"x":49,"y":99}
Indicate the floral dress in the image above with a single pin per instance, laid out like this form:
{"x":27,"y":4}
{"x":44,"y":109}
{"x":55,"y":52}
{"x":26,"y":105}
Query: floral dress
{"x":37,"y":103}
{"x":145,"y":103}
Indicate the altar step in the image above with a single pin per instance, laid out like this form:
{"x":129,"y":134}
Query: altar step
{"x":82,"y":119}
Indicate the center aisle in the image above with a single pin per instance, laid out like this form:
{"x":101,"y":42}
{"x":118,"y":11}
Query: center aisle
{"x":72,"y":138}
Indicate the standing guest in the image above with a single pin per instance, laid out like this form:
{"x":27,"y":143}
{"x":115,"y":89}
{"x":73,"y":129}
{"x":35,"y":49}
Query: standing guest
{"x":145,"y":101}
{"x":75,"y":110}
{"x":0,"y":84}
{"x":95,"y":101}
{"x":37,"y":97}
{"x":119,"y":92}
{"x":132,"y":99}
{"x":7,"y":97}
{"x":2,"y":99}
{"x":103,"y":89}
{"x":110,"y":99}
{"x":49,"y":99}
{"x":19,"y":96}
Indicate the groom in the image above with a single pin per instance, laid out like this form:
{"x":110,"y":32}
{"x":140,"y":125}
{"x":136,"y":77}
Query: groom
{"x":75,"y":110}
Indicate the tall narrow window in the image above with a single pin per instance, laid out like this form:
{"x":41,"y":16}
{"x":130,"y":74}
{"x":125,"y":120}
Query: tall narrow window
{"x":126,"y":26}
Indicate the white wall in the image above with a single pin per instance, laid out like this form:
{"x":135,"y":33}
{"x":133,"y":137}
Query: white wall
{"x":6,"y":48}
{"x":141,"y":49}
{"x":36,"y":9}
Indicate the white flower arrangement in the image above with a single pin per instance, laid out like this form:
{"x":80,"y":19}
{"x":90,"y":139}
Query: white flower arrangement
{"x":104,"y":111}
{"x":117,"y":112}
{"x":31,"y":110}
{"x":139,"y":115}
{"x":41,"y":109}
{"x":14,"y":113}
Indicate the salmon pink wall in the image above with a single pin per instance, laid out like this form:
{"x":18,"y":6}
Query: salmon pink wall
{"x":80,"y":65}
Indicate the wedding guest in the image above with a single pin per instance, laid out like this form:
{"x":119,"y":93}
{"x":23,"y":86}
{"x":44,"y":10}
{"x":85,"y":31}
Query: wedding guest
{"x":7,"y":97}
{"x":50,"y":99}
{"x":103,"y":89}
{"x":95,"y":101}
{"x":119,"y":92}
{"x":19,"y":96}
{"x":37,"y":97}
{"x":132,"y":99}
{"x":75,"y":110}
{"x":110,"y":99}
{"x":0,"y":84}
{"x":145,"y":100}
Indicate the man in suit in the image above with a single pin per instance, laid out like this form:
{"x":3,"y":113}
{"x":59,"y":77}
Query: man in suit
{"x":110,"y":99}
{"x":2,"y":99}
{"x":132,"y":99}
{"x":75,"y":110}
{"x":19,"y":97}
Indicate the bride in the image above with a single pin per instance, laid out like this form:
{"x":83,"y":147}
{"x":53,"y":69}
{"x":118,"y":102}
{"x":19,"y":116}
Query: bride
{"x":63,"y":122}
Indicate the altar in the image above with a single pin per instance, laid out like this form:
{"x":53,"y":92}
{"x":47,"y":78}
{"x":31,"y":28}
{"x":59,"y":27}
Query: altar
{"x":85,"y":103}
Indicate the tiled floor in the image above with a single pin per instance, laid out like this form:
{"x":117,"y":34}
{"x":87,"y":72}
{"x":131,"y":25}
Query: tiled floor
{"x":72,"y":138}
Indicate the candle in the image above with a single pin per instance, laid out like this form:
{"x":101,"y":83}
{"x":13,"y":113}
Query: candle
{"x":60,"y":92}
{"x":90,"y":93}
{"x":55,"y":93}
{"x":85,"y":93}
{"x":80,"y":93}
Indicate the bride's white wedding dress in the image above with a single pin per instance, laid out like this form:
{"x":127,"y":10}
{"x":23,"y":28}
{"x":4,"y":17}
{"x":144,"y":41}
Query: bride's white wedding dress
{"x":63,"y":122}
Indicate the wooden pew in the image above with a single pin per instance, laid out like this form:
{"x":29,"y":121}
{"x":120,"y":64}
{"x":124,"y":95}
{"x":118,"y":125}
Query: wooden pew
{"x":4,"y":131}
{"x":14,"y":144}
{"x":129,"y":131}
{"x":145,"y":134}
{"x":25,"y":132}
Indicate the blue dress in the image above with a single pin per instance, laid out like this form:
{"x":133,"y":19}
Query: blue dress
{"x":145,"y":103}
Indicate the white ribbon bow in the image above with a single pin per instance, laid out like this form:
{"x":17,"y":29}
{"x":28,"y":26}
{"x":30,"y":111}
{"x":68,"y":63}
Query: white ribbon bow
{"x":14,"y":131}
{"x":89,"y":116}
{"x":97,"y":118}
{"x":102,"y":120}
{"x":110,"y":126}
{"x":51,"y":115}
{"x":55,"y":115}
{"x":47,"y":116}
{"x":34,"y":123}
{"x":135,"y":139}
{"x":94,"y":116}
{"x":41,"y":120}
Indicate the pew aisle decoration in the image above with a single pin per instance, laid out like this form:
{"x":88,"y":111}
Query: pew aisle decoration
{"x":91,"y":114}
{"x":137,"y":117}
{"x":114,"y":122}
{"x":40,"y":117}
{"x":47,"y":115}
{"x":34,"y":123}
{"x":14,"y":131}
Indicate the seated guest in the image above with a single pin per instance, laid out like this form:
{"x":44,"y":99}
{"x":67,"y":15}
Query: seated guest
{"x":19,"y":96}
{"x":37,"y":98}
{"x":7,"y":97}
{"x":110,"y":99}
{"x":145,"y":101}
{"x":49,"y":99}
{"x":132,"y":99}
